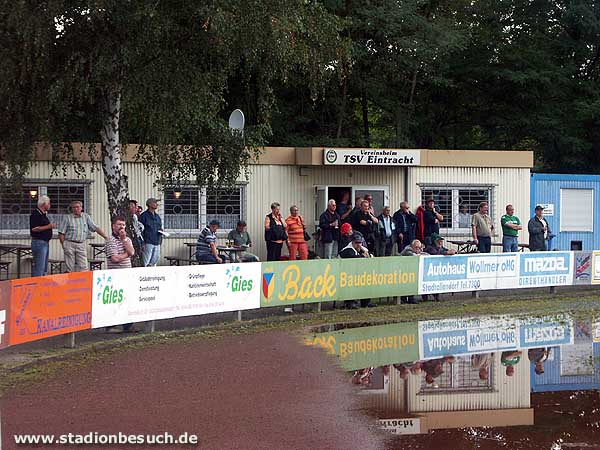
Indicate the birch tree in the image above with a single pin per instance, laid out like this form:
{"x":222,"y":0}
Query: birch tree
{"x":154,"y":73}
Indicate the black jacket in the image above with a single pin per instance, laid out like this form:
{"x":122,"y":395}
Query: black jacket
{"x":536,"y":234}
{"x":429,"y":222}
{"x":410,"y":220}
{"x":329,"y":233}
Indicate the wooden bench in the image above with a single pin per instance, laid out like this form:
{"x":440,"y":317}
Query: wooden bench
{"x":4,"y":268}
{"x":56,"y":266}
{"x":179,"y":261}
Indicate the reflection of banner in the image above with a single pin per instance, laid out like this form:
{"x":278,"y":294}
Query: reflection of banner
{"x":324,"y":280}
{"x":596,"y":267}
{"x":152,"y":293}
{"x":466,"y":336}
{"x":546,"y":331}
{"x":4,"y":313}
{"x":357,"y":348}
{"x":488,"y":334}
{"x":582,"y":273}
{"x":47,"y":306}
{"x":545,"y":269}
{"x":467,"y":273}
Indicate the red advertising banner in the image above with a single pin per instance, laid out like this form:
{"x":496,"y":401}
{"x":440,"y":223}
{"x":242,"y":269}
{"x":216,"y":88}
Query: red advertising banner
{"x":42,"y":307}
{"x":4,"y":312}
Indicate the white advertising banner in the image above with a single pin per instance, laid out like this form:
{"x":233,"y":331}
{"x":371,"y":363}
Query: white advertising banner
{"x":371,"y":157}
{"x":468,"y":272}
{"x":438,"y":274}
{"x":151,"y":293}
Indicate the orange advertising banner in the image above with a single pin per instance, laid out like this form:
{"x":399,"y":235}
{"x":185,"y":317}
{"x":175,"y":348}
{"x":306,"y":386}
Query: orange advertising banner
{"x":42,"y":307}
{"x":4,"y":312}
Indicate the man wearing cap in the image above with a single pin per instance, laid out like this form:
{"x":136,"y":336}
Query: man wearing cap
{"x":152,"y":233}
{"x":355,"y":249}
{"x":510,"y":230}
{"x":206,"y":247}
{"x":482,"y":228}
{"x":538,"y":231}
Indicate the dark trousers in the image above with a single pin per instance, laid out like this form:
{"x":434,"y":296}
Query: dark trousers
{"x":207,"y":258}
{"x":274,"y":251}
{"x":385,"y":247}
{"x":485,"y":244}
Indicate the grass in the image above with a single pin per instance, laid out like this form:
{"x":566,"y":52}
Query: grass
{"x":39,"y":367}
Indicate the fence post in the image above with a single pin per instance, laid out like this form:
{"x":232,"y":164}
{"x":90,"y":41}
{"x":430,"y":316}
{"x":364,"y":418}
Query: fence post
{"x":71,"y":340}
{"x":319,"y":307}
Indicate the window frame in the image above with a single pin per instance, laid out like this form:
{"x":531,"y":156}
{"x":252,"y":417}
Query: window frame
{"x":42,"y":184}
{"x":455,"y":188}
{"x":202,"y":205}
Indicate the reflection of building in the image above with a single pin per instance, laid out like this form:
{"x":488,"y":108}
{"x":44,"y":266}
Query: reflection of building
{"x":572,"y":367}
{"x":458,"y":397}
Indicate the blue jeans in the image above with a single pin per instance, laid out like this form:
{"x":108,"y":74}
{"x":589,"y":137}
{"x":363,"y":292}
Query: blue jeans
{"x":485,"y":244}
{"x":39,"y":251}
{"x":510,"y":244}
{"x":150,"y":254}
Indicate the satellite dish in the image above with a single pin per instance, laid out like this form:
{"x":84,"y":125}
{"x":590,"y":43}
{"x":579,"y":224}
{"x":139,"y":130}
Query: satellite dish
{"x":236,"y":121}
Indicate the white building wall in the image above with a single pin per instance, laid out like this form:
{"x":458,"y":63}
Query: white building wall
{"x":284,"y":184}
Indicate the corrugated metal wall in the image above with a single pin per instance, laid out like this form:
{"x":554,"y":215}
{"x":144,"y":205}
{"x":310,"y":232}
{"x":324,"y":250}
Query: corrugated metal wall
{"x":552,"y":380}
{"x":284,"y":184}
{"x":545,"y":188}
{"x":511,"y":186}
{"x":394,"y":400}
{"x":510,"y":392}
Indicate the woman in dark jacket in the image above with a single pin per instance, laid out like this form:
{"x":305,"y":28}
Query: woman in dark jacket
{"x":275,"y":233}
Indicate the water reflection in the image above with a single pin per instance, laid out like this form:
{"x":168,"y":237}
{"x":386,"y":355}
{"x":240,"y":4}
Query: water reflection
{"x":485,"y":382}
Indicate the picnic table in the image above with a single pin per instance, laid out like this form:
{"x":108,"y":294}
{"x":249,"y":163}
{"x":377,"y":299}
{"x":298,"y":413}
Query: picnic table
{"x":231,"y":253}
{"x":19,"y":250}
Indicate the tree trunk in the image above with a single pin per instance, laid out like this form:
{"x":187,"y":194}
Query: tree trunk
{"x":365,"y":117}
{"x":342,"y":108}
{"x":112,"y":165}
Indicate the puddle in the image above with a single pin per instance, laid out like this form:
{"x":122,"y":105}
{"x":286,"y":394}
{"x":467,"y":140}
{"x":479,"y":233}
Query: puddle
{"x":527,"y":382}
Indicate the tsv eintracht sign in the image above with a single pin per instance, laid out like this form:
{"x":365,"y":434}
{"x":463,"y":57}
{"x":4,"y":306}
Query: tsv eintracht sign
{"x":371,"y":157}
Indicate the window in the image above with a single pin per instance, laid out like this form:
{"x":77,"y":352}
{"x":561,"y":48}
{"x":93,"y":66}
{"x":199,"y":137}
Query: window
{"x":17,"y":206}
{"x":576,"y":210}
{"x":191,"y":207}
{"x":458,"y":203}
{"x":459,"y":376}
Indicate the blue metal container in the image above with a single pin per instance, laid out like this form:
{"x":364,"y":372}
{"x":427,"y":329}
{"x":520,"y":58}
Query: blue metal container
{"x":572,"y":208}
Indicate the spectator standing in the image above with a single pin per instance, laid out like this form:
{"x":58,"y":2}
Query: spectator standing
{"x":386,"y":237}
{"x":538,"y":357}
{"x":152,"y":234}
{"x":295,"y":232}
{"x":72,"y":233}
{"x":119,"y":251}
{"x":138,"y":227}
{"x":406,"y":226}
{"x":275,"y":232}
{"x":539,"y":231}
{"x":206,"y":247}
{"x":364,"y":222}
{"x":481,"y":362}
{"x":40,"y":229}
{"x":329,"y":223}
{"x":344,"y":208}
{"x":510,"y":359}
{"x":431,"y":220}
{"x":464,"y":218}
{"x":241,"y":239}
{"x":482,"y":228}
{"x":369,"y":198}
{"x":346,"y":234}
{"x":357,"y":202}
{"x":510,"y":230}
